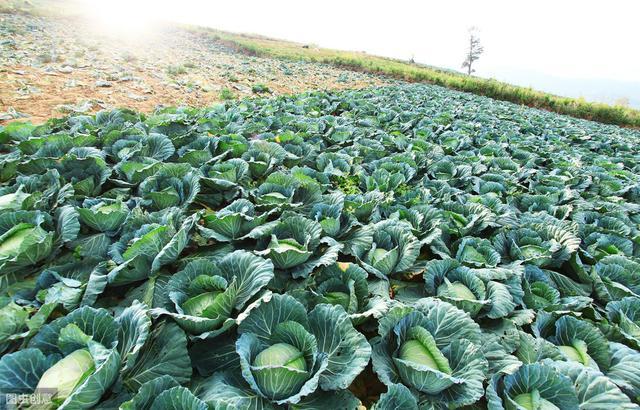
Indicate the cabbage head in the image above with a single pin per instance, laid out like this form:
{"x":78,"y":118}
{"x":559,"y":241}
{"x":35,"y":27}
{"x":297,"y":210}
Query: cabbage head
{"x":288,"y":356}
{"x":432,"y":348}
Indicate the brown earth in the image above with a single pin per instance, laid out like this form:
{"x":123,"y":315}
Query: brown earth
{"x":53,"y":66}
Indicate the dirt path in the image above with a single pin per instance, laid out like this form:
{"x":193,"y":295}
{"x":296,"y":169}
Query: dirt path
{"x":51,"y":67}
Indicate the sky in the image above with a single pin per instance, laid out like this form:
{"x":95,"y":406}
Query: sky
{"x":575,"y":48}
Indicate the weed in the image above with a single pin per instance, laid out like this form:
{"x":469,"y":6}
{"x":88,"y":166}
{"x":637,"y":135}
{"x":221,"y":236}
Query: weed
{"x":226,"y":94}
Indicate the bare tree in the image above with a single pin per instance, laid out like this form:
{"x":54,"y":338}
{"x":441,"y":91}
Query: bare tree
{"x":474,"y":52}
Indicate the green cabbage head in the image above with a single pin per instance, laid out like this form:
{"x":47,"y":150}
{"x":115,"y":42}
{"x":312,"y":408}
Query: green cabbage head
{"x":432,"y":348}
{"x":66,"y":374}
{"x":287,"y":353}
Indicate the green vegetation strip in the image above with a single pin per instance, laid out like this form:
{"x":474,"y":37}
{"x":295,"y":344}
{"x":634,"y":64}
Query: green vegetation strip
{"x":404,"y":247}
{"x":403,"y":70}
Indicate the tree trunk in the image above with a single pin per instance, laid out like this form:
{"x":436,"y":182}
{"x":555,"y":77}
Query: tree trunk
{"x":470,"y":55}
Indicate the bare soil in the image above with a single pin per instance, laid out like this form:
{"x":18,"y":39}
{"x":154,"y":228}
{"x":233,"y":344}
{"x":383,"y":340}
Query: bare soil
{"x":51,"y":67}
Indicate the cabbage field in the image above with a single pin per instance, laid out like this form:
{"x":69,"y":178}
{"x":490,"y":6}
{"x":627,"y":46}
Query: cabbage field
{"x":406,"y":247}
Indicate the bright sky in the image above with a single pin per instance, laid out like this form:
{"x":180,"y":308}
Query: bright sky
{"x":523,"y":40}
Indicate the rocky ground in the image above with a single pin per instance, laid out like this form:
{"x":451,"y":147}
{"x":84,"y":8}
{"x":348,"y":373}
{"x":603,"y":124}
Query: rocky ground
{"x":55,"y":66}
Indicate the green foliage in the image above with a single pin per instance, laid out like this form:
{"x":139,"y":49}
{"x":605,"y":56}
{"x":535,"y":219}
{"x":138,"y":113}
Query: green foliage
{"x":348,"y":184}
{"x":175,"y":70}
{"x":260,"y":88}
{"x":227,"y":94}
{"x":263,"y":253}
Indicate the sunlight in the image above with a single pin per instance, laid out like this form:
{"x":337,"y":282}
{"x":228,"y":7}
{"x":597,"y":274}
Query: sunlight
{"x":124,"y":18}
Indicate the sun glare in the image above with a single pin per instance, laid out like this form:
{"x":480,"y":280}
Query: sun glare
{"x":125,"y":18}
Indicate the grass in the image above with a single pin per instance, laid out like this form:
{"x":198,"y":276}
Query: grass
{"x":226,"y":94}
{"x":260,"y":88}
{"x":175,"y":70}
{"x":403,"y":70}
